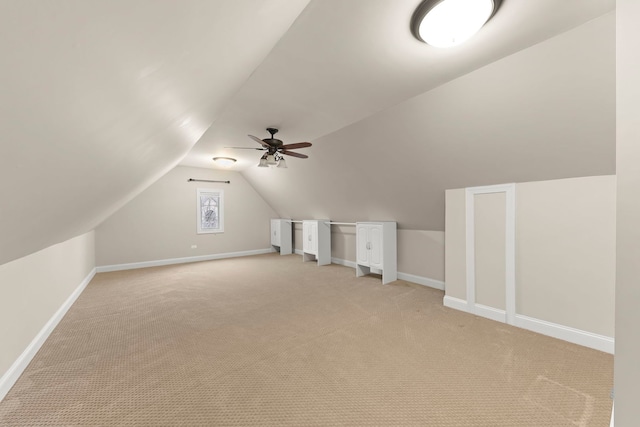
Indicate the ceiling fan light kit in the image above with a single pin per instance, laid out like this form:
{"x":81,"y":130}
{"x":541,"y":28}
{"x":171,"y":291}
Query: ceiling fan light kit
{"x":448,"y":23}
{"x":275,"y":149}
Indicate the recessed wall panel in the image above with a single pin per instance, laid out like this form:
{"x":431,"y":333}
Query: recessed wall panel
{"x":490,"y":250}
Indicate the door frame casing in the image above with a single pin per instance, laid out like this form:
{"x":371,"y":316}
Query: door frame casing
{"x":510,"y":245}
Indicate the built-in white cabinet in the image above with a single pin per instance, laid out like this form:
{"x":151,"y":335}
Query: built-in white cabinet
{"x":281,"y":236}
{"x":316,"y":241}
{"x":376,"y":249}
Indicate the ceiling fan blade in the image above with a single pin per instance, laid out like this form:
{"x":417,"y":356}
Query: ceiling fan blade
{"x":259,"y":141}
{"x":296,"y":145}
{"x":247,"y":148}
{"x":294,"y":154}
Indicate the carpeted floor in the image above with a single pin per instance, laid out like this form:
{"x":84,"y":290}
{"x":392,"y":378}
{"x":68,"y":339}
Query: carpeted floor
{"x":270,"y":340}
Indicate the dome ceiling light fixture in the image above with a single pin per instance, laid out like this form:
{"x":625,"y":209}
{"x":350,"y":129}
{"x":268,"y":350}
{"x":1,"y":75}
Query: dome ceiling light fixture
{"x":225,"y":162}
{"x":448,"y":23}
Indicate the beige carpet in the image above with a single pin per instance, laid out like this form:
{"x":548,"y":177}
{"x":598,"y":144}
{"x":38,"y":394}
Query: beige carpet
{"x":270,"y":340}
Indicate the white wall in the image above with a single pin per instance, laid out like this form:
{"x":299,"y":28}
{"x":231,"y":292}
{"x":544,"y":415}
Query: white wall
{"x":421,"y":253}
{"x":564,"y":253}
{"x":160,"y":223}
{"x":33,"y":288}
{"x":455,"y":245}
{"x":627,"y":365}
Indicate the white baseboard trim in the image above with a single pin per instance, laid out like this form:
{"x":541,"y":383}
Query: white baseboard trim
{"x":455,"y":303}
{"x":424,"y":281}
{"x":344,"y":262}
{"x":566,"y":333}
{"x":170,"y":261}
{"x":612,"y":408}
{"x":17,"y":368}
{"x":491,"y":313}
{"x":480,"y":310}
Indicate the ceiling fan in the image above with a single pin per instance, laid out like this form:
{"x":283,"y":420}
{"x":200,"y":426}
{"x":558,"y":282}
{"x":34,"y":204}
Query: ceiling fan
{"x":275,"y":149}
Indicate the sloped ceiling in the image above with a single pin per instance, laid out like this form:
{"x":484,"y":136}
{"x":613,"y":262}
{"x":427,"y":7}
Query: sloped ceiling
{"x":536,"y":115}
{"x":395,"y":122}
{"x":100,"y":98}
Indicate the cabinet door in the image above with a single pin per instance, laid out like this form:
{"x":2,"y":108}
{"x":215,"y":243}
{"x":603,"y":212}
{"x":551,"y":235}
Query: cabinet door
{"x":362,"y":245}
{"x":275,"y":232}
{"x":305,"y":237}
{"x":308,"y":238}
{"x":375,"y":246}
{"x":314,"y":237}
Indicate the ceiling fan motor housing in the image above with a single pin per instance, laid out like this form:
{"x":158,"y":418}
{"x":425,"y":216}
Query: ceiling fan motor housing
{"x":273,"y":141}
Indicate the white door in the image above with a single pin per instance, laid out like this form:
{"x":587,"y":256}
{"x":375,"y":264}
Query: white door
{"x":490,"y":251}
{"x":314,"y":237}
{"x":275,"y":232}
{"x":306,"y":239}
{"x":309,"y":237}
{"x":375,"y":246}
{"x":362,"y":245}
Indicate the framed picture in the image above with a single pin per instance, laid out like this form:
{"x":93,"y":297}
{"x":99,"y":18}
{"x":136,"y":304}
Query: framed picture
{"x":210,"y":210}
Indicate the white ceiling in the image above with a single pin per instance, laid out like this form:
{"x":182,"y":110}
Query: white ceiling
{"x":342,"y":61}
{"x":546,"y":112}
{"x":101,"y":98}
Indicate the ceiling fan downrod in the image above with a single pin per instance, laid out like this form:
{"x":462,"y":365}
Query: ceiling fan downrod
{"x":272,"y":131}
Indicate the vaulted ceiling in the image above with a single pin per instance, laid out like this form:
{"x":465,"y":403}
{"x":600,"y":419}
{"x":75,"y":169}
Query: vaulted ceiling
{"x":99,"y":99}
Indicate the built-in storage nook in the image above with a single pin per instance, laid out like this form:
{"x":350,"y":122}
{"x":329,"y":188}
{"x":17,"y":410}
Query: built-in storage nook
{"x":376,"y":249}
{"x":376,"y":244}
{"x":281,"y":239}
{"x":316,"y":241}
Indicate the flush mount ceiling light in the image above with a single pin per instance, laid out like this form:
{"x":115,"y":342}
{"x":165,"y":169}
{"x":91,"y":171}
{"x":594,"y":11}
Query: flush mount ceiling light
{"x":447,"y":23}
{"x":225,"y":162}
